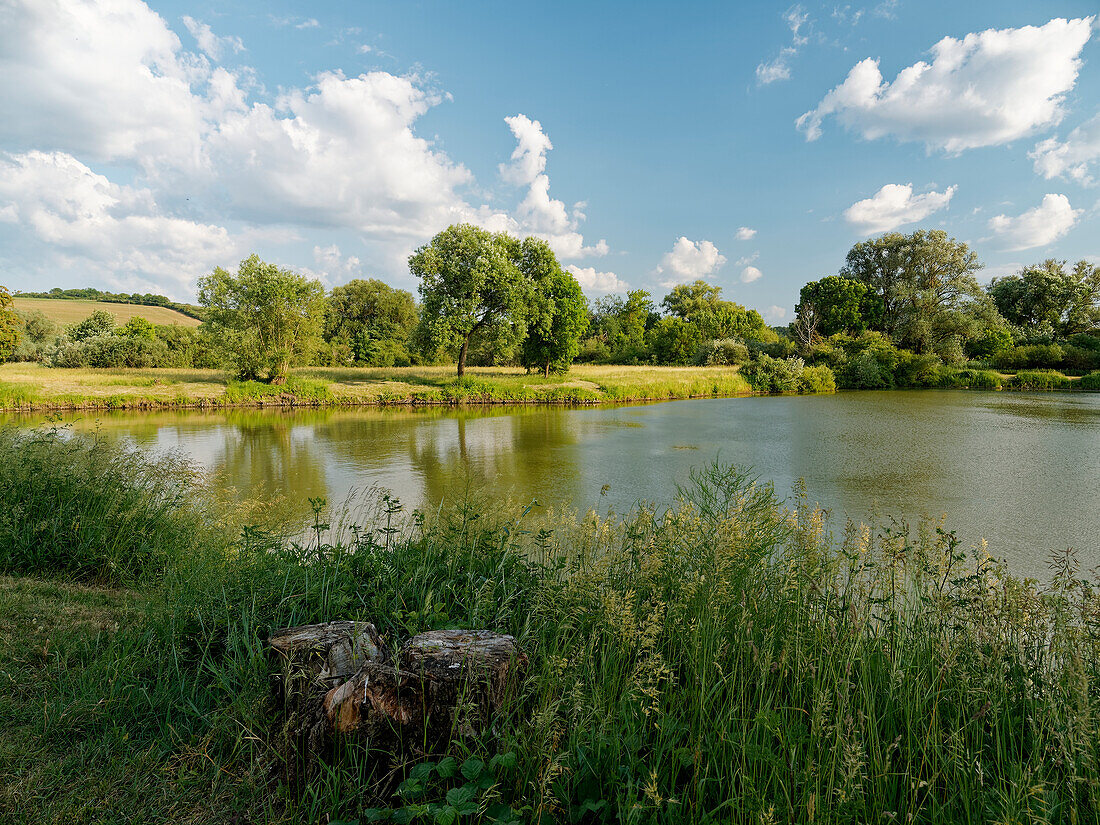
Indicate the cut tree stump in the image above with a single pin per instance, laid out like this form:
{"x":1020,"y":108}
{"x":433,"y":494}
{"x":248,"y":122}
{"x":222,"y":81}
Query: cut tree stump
{"x":336,"y":683}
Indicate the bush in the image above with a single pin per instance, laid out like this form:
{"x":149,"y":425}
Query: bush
{"x":817,"y":379}
{"x":1038,"y":380}
{"x":674,"y":341}
{"x":1080,"y":359}
{"x":865,"y":372}
{"x":913,"y":370}
{"x":723,"y":352}
{"x":1030,"y":356}
{"x":1090,"y":382}
{"x":107,"y":351}
{"x":970,"y":379}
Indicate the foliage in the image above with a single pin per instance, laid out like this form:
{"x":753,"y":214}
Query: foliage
{"x":1090,"y":382}
{"x":1046,"y":294}
{"x":371,"y":322}
{"x":98,"y":324}
{"x":558,"y":312}
{"x":618,"y":327}
{"x":104,"y":351}
{"x":925,"y":282}
{"x":38,"y":336}
{"x":727,"y":352}
{"x":1038,"y":380}
{"x":263,"y":316}
{"x":9,"y":326}
{"x":787,"y":375}
{"x":470,"y":283}
{"x":674,"y":341}
{"x":832,"y":305}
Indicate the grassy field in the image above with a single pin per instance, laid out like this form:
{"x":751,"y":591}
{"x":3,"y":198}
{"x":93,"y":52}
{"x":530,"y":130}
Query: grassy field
{"x":66,"y":312}
{"x":31,"y":386}
{"x":729,"y":659}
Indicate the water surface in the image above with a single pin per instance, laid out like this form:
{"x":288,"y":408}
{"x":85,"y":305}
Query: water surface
{"x":1019,"y":470}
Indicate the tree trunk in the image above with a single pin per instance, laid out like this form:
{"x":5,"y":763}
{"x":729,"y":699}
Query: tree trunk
{"x":546,"y":372}
{"x":344,"y":687}
{"x":462,"y":356}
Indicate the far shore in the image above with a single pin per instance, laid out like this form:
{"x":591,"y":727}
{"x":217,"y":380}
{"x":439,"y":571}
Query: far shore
{"x":35,"y":388}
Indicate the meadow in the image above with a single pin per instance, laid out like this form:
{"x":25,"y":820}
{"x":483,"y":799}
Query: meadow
{"x":32,"y":386}
{"x":70,"y":311}
{"x":729,"y":657}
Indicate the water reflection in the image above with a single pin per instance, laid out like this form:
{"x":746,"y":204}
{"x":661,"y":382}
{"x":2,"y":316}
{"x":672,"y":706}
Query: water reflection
{"x":1018,"y":470}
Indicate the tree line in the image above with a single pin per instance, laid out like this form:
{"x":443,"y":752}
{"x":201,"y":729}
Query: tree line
{"x":903,"y":310}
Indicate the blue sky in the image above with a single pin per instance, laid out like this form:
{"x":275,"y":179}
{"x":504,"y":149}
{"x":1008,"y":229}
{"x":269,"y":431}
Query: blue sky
{"x":651,"y":143}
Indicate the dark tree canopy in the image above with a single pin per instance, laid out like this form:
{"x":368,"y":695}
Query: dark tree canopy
{"x":558,"y":312}
{"x":372,"y":321}
{"x":833,"y":305}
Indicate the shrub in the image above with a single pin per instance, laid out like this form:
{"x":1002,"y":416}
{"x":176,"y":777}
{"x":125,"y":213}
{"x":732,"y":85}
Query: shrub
{"x":1038,"y":380}
{"x":817,"y":379}
{"x":865,"y":372}
{"x":913,"y":370}
{"x":724,"y":352}
{"x":1080,"y":359}
{"x":106,"y":351}
{"x":970,"y":379}
{"x":774,"y":375}
{"x":1090,"y":382}
{"x":1030,"y":356}
{"x":674,"y":341}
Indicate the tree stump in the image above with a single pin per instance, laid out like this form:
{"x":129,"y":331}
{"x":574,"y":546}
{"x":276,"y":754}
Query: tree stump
{"x":344,"y":687}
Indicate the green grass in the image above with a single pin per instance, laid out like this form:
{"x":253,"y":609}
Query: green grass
{"x":729,"y":659}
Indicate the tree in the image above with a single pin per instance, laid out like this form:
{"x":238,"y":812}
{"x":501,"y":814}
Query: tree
{"x":470,"y":284}
{"x":702,"y":305}
{"x":675,"y":341}
{"x":1047,"y":295}
{"x":98,"y":323}
{"x":925,"y":283}
{"x":373,"y":320}
{"x":832,"y":305}
{"x":263,"y":316}
{"x":559,"y":310}
{"x":9,"y":325}
{"x":138,"y":327}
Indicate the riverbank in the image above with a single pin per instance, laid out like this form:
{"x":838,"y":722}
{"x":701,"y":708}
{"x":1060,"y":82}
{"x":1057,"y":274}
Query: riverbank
{"x":730,"y":660}
{"x":32,"y":387}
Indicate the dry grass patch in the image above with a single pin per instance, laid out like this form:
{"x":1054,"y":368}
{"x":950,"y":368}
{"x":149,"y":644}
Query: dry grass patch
{"x":64,"y":311}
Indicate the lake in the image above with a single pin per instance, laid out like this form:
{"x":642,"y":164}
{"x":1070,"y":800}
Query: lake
{"x":1019,"y":470}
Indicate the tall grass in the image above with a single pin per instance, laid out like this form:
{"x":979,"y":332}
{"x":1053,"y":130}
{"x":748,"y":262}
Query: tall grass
{"x":728,"y":658}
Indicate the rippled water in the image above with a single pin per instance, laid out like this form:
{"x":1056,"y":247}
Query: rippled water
{"x":1022,"y":471}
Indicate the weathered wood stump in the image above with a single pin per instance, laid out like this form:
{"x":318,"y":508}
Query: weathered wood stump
{"x":341,"y":686}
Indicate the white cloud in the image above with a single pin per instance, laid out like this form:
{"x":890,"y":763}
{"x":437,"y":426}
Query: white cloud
{"x":1072,"y":158}
{"x":365,"y":49}
{"x":750,"y":274}
{"x":539,"y":214}
{"x":210,"y":43}
{"x":689,"y":261}
{"x":779,"y":68}
{"x":597,"y":283}
{"x":774,"y":314}
{"x":68,"y":216}
{"x":333,"y":267}
{"x":895,"y":205}
{"x":989,"y":88}
{"x":311,"y":23}
{"x":1044,"y":224}
{"x":744,"y":233}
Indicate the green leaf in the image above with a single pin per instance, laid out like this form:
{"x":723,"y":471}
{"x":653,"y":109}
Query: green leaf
{"x":472,"y":768}
{"x":422,"y":771}
{"x":447,"y":767}
{"x":460,"y":796}
{"x":446,"y":815}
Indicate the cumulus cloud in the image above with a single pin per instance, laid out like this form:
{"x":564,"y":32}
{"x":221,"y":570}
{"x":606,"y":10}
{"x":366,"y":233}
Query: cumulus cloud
{"x":744,"y":233}
{"x":1072,"y":158}
{"x":70,"y":216}
{"x":1044,"y":224}
{"x":597,"y":283}
{"x":986,"y":89}
{"x":774,"y":314}
{"x":895,"y":205}
{"x":689,"y":261}
{"x":210,"y":43}
{"x":107,"y":84}
{"x":332,"y":266}
{"x":750,"y":274}
{"x":538,"y":213}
